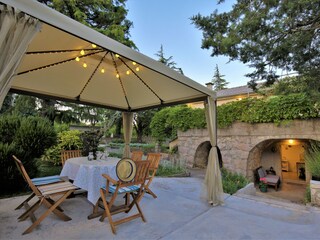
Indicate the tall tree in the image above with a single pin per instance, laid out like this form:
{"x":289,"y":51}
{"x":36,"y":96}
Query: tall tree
{"x":143,"y":119}
{"x":267,"y":35}
{"x":167,"y":61}
{"x":107,"y":17}
{"x":218,"y":81}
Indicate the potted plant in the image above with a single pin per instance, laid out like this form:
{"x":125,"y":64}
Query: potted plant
{"x":263,"y":185}
{"x":312,"y":162}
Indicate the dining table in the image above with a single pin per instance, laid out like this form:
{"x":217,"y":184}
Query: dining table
{"x":87,"y":174}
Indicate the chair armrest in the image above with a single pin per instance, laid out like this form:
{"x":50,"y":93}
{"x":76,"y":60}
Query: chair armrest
{"x":113,"y":181}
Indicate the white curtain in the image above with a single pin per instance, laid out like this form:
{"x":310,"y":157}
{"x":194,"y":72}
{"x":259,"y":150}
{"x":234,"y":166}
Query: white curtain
{"x":16,"y":32}
{"x":127,"y":118}
{"x":213,"y":180}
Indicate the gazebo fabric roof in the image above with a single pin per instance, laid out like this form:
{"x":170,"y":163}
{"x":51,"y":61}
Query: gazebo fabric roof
{"x":49,"y":68}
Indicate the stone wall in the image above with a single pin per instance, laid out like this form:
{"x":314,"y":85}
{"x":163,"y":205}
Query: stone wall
{"x":242,"y":144}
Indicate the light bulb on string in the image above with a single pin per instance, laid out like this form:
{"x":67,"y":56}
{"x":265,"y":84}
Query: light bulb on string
{"x":117,"y":76}
{"x":117,"y":55}
{"x":82,"y":52}
{"x":93,"y":45}
{"x":134,"y":63}
{"x":128,"y":72}
{"x":84,"y":65}
{"x":137,"y":69}
{"x":102,"y":70}
{"x":77,"y":59}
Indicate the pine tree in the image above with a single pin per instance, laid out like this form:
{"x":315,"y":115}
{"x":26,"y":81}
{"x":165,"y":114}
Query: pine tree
{"x":167,"y":61}
{"x":218,"y":81}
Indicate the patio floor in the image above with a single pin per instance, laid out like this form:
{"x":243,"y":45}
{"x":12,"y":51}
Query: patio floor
{"x":177,"y":213}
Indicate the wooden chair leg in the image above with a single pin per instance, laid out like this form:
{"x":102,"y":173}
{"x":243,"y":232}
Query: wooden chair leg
{"x":136,"y":202}
{"x":25,"y":201}
{"x":148,"y":190}
{"x":107,"y":212}
{"x":55,"y":211}
{"x":30,"y":211}
{"x":51,"y":209}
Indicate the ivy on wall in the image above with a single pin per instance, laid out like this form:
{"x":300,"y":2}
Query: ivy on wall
{"x":274,"y":109}
{"x":167,"y":121}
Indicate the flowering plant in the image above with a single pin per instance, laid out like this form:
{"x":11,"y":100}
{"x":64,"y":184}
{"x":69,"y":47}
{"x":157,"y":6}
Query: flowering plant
{"x":263,"y":182}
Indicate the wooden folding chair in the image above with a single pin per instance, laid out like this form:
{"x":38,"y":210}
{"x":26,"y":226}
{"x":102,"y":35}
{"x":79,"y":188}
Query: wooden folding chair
{"x":154,"y":159}
{"x":45,"y":194}
{"x":39,"y":182}
{"x":114,"y":188}
{"x":66,"y":154}
{"x":136,"y":155}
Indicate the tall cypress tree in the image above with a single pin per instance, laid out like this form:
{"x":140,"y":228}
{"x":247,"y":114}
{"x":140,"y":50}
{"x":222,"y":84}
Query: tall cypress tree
{"x":218,"y":81}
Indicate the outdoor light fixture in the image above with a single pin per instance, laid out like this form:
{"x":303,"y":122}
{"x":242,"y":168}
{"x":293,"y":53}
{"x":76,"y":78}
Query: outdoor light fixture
{"x":82,"y":52}
{"x":128,"y":72}
{"x":93,"y":45}
{"x":77,"y":59}
{"x":117,"y":55}
{"x":84,"y":65}
{"x":137,"y":69}
{"x":117,"y":76}
{"x":134,"y":63}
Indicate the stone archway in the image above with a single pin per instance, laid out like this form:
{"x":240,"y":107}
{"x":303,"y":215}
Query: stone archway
{"x":201,"y":155}
{"x":254,"y":157}
{"x":268,"y":154}
{"x":241,"y":143}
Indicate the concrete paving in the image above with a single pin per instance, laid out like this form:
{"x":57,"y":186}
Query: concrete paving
{"x":179,"y":212}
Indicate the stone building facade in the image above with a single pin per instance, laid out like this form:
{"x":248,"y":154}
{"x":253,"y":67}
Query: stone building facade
{"x":242,"y":144}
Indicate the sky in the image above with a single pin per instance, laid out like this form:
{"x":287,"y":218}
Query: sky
{"x":167,"y":22}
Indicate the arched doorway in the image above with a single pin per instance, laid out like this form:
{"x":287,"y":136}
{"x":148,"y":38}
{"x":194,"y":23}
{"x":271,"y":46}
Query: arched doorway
{"x":286,"y":157}
{"x":201,"y":155}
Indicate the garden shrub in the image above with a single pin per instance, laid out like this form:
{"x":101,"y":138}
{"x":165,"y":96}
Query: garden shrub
{"x":312,"y":159}
{"x":27,"y":138}
{"x":170,"y":170}
{"x":232,"y":182}
{"x":67,"y":140}
{"x":167,"y":121}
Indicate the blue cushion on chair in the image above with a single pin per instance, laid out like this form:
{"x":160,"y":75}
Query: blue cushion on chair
{"x":46,"y":180}
{"x":133,"y":188}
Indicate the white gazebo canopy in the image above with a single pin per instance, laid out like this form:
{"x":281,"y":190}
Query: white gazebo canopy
{"x":115,"y":76}
{"x":46,"y":54}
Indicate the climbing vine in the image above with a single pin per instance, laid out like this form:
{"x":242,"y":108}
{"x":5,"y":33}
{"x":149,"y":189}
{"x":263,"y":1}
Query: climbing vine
{"x":275,"y":109}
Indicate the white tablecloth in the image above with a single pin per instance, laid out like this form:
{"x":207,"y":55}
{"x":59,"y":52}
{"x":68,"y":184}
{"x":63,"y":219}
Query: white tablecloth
{"x":88,"y":174}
